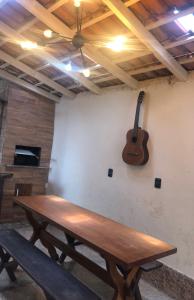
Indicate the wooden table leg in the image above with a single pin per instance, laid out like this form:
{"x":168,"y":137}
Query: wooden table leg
{"x":38,"y":227}
{"x":70,"y":242}
{"x":123,"y":285}
{"x":129,"y":285}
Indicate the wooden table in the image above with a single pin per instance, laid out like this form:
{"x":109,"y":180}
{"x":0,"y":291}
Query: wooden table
{"x":123,"y":248}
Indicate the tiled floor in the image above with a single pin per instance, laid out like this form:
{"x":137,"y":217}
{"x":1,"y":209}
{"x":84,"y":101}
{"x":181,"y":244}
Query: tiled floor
{"x":26,"y":289}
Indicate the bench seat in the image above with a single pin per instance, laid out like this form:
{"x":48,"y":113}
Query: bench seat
{"x":56,"y":283}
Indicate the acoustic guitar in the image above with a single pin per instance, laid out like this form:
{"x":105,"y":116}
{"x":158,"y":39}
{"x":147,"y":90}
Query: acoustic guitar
{"x":135,"y":151}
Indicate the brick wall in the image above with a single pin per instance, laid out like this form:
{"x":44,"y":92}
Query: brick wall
{"x":29,"y":122}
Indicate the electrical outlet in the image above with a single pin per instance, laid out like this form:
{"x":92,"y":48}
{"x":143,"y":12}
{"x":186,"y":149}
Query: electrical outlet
{"x":110,"y":172}
{"x":158,"y":182}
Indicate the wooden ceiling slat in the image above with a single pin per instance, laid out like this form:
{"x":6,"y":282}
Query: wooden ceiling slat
{"x":24,"y":68}
{"x":57,"y":4}
{"x":104,"y":16}
{"x":156,"y":15}
{"x":55,"y":24}
{"x":22,"y":83}
{"x":170,"y":18}
{"x":33,"y":21}
{"x":146,"y":37}
{"x":50,"y":58}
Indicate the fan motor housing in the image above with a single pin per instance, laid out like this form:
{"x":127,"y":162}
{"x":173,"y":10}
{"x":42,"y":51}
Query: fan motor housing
{"x":78,"y":41}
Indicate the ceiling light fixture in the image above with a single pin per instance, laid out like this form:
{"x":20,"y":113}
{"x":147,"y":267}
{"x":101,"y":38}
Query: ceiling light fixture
{"x":48,"y":33}
{"x":86,"y":72}
{"x":68,"y":67}
{"x":176,"y":11}
{"x":28,"y":45}
{"x":118,"y":44}
{"x":77,"y":3}
{"x":79,"y":40}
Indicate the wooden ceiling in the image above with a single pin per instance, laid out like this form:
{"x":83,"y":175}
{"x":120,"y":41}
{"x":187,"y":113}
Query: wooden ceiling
{"x":158,"y":47}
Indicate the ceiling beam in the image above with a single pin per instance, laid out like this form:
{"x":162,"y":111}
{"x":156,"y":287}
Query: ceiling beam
{"x":11,"y":33}
{"x":58,"y":26}
{"x":133,"y":24}
{"x":44,"y":79}
{"x":28,"y":86}
{"x":112,"y":68}
{"x":57,"y":5}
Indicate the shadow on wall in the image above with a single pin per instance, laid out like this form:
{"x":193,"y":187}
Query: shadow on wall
{"x":54,"y":189}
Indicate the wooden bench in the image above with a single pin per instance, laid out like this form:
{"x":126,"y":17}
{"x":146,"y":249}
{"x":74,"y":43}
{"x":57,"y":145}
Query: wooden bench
{"x":56,"y":283}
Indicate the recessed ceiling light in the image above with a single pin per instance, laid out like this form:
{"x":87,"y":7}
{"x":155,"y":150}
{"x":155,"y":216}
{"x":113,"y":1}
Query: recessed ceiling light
{"x":186,"y":23}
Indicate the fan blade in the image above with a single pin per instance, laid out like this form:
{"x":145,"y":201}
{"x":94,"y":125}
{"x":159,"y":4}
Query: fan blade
{"x":126,"y":46}
{"x":66,"y":38}
{"x":58,"y":42}
{"x":83,"y":58}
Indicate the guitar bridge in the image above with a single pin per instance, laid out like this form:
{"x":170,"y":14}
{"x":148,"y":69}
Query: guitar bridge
{"x":133,"y":154}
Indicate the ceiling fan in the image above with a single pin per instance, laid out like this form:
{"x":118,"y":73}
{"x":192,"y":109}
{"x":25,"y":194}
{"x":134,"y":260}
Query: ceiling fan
{"x":118,"y":43}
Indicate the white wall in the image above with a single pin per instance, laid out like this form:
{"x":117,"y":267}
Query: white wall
{"x":89,"y":138}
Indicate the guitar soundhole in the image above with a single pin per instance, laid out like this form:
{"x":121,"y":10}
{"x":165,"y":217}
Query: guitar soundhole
{"x":134,"y":139}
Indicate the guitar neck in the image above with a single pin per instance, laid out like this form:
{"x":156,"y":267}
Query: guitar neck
{"x":136,"y":122}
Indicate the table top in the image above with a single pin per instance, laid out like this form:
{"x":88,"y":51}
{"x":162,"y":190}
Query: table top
{"x":113,"y":240}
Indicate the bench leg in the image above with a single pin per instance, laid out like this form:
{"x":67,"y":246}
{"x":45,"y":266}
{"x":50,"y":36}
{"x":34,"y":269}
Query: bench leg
{"x":48,"y":297}
{"x":11,"y":273}
{"x":6,"y":265}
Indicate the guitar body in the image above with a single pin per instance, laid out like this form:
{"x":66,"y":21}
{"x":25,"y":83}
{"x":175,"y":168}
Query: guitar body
{"x":136,"y":151}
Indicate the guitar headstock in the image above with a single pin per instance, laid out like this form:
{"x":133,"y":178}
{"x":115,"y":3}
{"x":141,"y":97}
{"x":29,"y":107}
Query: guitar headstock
{"x":140,"y":97}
